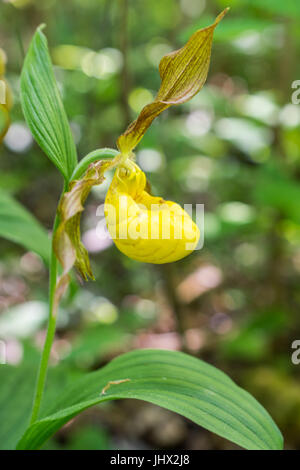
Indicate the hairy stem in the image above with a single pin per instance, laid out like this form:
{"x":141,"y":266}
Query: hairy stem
{"x":42,"y":374}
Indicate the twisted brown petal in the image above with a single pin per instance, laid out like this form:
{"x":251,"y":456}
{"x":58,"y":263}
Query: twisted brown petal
{"x":183,"y":73}
{"x":67,"y":241}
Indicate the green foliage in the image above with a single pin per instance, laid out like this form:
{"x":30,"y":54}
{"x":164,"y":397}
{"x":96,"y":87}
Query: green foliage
{"x":252,"y":340}
{"x":170,"y":379}
{"x":43,"y":108}
{"x":96,"y":340}
{"x":19,"y":226}
{"x":286,"y":8}
{"x":16,"y":382}
{"x":231,"y":29}
{"x":277,"y":190}
{"x":16,"y":393}
{"x":234,"y":147}
{"x":84,"y":438}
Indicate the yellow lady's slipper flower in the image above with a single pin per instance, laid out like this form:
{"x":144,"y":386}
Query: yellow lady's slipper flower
{"x":144,"y":227}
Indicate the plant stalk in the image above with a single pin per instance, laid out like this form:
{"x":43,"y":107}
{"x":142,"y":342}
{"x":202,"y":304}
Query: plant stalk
{"x":42,"y":373}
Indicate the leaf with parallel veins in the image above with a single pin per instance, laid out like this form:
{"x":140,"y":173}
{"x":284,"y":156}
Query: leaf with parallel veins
{"x":43,"y":107}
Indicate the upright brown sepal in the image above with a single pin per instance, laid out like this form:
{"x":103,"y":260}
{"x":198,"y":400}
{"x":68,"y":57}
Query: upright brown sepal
{"x":183,"y":73}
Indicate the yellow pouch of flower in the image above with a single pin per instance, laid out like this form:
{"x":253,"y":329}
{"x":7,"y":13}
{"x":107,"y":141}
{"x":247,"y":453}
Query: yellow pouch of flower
{"x":144,"y":227}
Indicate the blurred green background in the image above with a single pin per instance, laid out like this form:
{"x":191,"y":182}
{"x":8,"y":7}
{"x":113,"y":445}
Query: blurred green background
{"x":234,"y":147}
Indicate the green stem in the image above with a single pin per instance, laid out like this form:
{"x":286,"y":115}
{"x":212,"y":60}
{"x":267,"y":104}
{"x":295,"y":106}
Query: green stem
{"x":42,"y":374}
{"x":90,"y":158}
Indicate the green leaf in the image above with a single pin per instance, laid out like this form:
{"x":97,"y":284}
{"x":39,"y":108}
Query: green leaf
{"x":15,"y":403}
{"x":174,"y":381}
{"x":16,"y":393}
{"x":19,"y":226}
{"x":43,"y":108}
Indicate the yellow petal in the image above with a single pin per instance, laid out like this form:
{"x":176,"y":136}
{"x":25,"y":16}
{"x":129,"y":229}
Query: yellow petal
{"x":4,"y":121}
{"x":144,"y":227}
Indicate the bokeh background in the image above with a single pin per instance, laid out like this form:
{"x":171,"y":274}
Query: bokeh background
{"x":234,"y":147}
